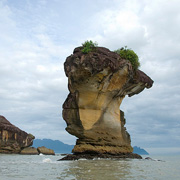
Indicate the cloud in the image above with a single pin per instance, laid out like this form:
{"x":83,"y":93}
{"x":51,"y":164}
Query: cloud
{"x":163,"y":151}
{"x":153,"y":115}
{"x":33,"y":84}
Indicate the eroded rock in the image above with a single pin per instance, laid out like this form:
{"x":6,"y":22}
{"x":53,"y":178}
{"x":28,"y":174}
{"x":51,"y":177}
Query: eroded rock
{"x":45,"y":151}
{"x":13,"y":139}
{"x":98,"y":82}
{"x":29,"y":151}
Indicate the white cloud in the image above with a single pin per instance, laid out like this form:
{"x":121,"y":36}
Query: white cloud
{"x":33,"y":84}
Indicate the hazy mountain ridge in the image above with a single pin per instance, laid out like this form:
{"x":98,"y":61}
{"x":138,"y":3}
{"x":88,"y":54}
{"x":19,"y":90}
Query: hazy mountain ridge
{"x":56,"y":145}
{"x":60,"y":147}
{"x":139,"y":151}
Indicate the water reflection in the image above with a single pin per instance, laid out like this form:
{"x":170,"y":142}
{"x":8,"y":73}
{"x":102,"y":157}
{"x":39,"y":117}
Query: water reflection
{"x":98,"y":169}
{"x":40,"y":167}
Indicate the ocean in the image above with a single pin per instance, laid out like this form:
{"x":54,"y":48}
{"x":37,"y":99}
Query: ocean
{"x":41,"y":167}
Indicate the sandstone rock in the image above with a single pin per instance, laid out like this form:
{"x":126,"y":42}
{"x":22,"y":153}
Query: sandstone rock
{"x":98,"y":82}
{"x":29,"y":151}
{"x":45,"y":151}
{"x":13,"y":139}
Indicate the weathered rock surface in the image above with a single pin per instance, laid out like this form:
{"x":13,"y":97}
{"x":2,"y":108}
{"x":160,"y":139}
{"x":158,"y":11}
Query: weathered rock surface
{"x":98,"y":82}
{"x":13,"y":139}
{"x":29,"y":151}
{"x":45,"y":151}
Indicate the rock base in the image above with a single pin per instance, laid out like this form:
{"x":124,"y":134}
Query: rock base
{"x":101,"y":149}
{"x":102,"y":156}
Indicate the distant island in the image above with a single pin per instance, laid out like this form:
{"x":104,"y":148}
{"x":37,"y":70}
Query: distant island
{"x":139,"y":151}
{"x":60,"y":147}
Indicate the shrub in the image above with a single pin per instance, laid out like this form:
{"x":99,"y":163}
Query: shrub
{"x":130,"y":55}
{"x":88,"y":46}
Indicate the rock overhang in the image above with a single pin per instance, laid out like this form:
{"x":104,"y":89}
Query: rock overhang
{"x":100,"y":62}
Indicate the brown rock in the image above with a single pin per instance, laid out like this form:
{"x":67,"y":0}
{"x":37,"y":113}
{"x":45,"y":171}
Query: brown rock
{"x":98,"y":82}
{"x":13,"y":139}
{"x":29,"y":151}
{"x":45,"y":151}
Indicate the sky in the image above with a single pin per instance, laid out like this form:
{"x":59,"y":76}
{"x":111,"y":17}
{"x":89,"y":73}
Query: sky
{"x":36,"y":36}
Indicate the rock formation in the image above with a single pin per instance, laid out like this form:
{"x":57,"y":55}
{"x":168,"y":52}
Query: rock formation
{"x":30,"y":151}
{"x":98,"y":82}
{"x":12,"y":139}
{"x":45,"y":151}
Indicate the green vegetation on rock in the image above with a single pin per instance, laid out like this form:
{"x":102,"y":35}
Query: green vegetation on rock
{"x":124,"y":52}
{"x":130,"y":55}
{"x":88,"y":46}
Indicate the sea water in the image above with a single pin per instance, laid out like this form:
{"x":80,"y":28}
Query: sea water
{"x":41,"y":167}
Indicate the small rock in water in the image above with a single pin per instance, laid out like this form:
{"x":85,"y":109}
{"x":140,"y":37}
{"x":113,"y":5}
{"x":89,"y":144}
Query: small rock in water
{"x":45,"y":151}
{"x":148,"y":158}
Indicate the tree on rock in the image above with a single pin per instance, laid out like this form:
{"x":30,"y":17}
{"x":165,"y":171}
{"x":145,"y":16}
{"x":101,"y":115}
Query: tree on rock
{"x":129,"y":55}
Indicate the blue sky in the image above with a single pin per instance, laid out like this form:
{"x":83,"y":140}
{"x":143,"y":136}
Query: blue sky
{"x":36,"y":36}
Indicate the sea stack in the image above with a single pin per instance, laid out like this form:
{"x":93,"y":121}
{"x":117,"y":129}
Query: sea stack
{"x":98,"y":81}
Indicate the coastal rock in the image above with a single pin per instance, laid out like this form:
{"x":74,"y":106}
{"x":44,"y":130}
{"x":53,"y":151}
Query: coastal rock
{"x":98,"y":82}
{"x":45,"y":151}
{"x":101,"y":156}
{"x":13,"y":139}
{"x":148,"y":158}
{"x":29,"y":151}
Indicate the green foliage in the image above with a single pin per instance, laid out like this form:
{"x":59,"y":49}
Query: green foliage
{"x":88,"y":46}
{"x":130,"y":55}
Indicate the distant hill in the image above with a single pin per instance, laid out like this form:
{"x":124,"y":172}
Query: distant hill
{"x":57,"y":146}
{"x":139,"y":151}
{"x":60,"y":147}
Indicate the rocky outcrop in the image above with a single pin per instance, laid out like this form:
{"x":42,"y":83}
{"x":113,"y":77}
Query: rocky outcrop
{"x":98,"y":82}
{"x":29,"y":151}
{"x":45,"y":151}
{"x":101,"y":156}
{"x":37,"y":151}
{"x":13,"y":139}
